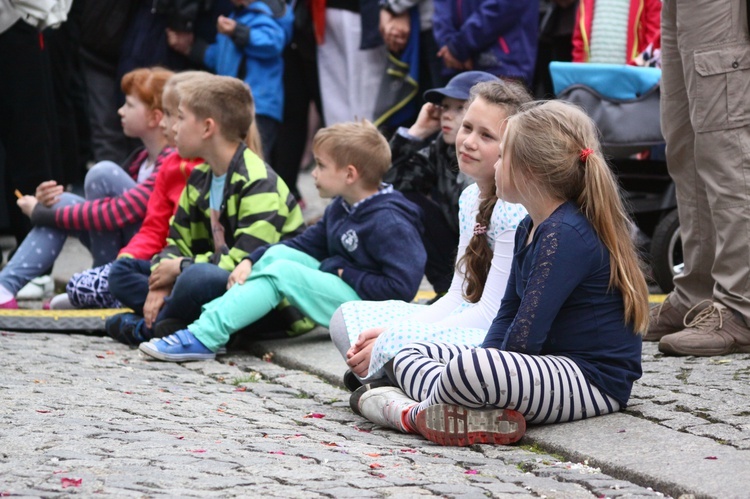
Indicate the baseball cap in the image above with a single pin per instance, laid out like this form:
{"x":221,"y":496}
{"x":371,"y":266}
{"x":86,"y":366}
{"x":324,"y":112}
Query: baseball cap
{"x":459,"y":86}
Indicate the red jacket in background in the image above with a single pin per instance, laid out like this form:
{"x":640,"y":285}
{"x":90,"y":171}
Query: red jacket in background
{"x":169,"y":184}
{"x":644,"y":28}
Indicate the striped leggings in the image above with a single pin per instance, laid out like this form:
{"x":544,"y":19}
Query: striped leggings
{"x":544,"y":388}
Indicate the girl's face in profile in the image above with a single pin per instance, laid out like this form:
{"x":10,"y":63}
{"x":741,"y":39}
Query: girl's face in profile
{"x":504,"y":181}
{"x":135,"y":117}
{"x":478,"y":140}
{"x":169,"y":117}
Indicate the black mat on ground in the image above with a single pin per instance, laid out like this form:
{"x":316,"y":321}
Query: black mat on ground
{"x":56,"y":320}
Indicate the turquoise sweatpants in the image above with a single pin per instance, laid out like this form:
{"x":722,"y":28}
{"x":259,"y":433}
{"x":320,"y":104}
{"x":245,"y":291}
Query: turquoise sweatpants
{"x":281,"y":272}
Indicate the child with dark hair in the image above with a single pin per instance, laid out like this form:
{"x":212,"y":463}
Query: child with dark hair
{"x":369,"y":334}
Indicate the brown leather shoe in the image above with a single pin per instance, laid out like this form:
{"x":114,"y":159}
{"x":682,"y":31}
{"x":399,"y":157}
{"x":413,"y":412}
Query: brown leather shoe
{"x":716,"y":330}
{"x":664,"y":319}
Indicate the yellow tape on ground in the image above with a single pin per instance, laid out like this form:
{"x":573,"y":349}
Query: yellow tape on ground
{"x":103,"y":313}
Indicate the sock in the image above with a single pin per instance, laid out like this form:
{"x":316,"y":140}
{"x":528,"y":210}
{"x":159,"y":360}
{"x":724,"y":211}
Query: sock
{"x":406,"y":419}
{"x":5,"y":295}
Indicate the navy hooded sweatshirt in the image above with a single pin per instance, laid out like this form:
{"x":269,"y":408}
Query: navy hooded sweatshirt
{"x":377,"y":243}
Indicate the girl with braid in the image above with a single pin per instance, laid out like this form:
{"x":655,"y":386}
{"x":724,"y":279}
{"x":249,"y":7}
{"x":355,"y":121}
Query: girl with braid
{"x":369,"y":334}
{"x":565,"y":344}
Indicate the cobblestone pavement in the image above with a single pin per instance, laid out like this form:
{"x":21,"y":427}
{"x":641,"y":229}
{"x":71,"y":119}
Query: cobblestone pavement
{"x":86,"y":415}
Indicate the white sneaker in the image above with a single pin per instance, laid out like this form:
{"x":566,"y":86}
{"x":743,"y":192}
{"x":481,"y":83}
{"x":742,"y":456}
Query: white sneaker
{"x":384,"y":406}
{"x":61,"y":302}
{"x":37,"y":288}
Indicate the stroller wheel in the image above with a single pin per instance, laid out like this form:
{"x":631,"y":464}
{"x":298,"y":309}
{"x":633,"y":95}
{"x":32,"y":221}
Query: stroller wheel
{"x":666,"y":251}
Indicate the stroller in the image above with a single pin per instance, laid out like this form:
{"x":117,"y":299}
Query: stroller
{"x":624,"y":103}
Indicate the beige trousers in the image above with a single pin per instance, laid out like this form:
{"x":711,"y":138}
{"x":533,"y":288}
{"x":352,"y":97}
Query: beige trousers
{"x":705,"y":118}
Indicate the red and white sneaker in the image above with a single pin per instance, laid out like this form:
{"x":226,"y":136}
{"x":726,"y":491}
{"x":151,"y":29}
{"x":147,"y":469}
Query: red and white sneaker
{"x":460,"y":426}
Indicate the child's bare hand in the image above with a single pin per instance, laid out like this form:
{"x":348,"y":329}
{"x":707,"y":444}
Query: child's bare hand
{"x":48,"y":192}
{"x":154,"y":303}
{"x":27,"y":204}
{"x":358,"y":356}
{"x":449,"y":59}
{"x":225,"y":25}
{"x":180,"y":41}
{"x":428,"y":121}
{"x":165,"y":274}
{"x":240,"y":273}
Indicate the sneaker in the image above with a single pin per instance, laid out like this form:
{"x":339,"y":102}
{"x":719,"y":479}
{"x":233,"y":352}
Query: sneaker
{"x":383,"y":405}
{"x":60,"y":302}
{"x":455,"y":425}
{"x":716,"y":330}
{"x":181,"y":346}
{"x":664,"y":319}
{"x":127,"y":328}
{"x":37,"y":288}
{"x":351,"y":381}
{"x":9,"y":305}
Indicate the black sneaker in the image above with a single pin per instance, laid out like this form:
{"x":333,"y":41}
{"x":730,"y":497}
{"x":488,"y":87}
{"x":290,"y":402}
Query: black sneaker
{"x":127,"y":328}
{"x":351,"y":381}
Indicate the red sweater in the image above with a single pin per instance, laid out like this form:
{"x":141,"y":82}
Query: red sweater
{"x":644,"y":27}
{"x":170,"y":182}
{"x":109,"y":213}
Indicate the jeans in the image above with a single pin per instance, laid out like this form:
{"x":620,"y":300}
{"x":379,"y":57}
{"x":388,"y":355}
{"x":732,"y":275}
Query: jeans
{"x":197,"y":285}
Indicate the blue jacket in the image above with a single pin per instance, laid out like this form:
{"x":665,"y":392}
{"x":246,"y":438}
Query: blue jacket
{"x":254,"y":53}
{"x":378,"y":244}
{"x":499,"y":36}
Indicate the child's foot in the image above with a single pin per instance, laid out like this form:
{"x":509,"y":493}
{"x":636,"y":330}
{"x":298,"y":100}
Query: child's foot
{"x":181,"y":346}
{"x":455,"y":425}
{"x":37,"y":288}
{"x":127,"y":328}
{"x":11,"y":304}
{"x":383,"y":405}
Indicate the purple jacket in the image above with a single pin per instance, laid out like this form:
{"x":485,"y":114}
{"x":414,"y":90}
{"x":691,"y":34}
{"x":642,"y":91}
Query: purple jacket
{"x":499,"y":36}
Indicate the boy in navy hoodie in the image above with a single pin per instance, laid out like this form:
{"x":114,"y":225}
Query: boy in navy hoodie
{"x":366,"y":246}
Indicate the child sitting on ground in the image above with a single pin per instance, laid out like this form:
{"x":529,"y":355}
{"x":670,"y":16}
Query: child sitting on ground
{"x":115,"y":196}
{"x":428,"y":173}
{"x":565,"y":344}
{"x":370,"y":334}
{"x":233,"y":204}
{"x":366,"y":246}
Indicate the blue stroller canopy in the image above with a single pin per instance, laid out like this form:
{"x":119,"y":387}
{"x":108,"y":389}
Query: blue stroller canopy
{"x":614,"y":81}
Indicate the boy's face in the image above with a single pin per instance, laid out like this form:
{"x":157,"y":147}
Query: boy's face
{"x":188,"y":133}
{"x":330,"y":179}
{"x":168,"y":119}
{"x":451,"y":114}
{"x":134,"y":117}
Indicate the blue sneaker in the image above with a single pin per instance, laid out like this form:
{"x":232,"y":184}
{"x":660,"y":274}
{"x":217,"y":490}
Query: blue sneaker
{"x":181,"y":346}
{"x":127,"y":328}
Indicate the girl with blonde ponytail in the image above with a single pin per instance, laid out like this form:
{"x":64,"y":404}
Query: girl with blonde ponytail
{"x":565,"y":344}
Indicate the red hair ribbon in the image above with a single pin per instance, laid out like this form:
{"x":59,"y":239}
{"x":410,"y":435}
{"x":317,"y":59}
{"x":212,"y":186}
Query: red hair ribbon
{"x":479,"y":229}
{"x":585,"y":154}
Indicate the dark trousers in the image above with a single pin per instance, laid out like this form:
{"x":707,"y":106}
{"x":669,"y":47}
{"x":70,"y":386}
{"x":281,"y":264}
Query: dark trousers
{"x":300,"y":88}
{"x":28,"y":128}
{"x":440,"y":242}
{"x":268,"y":129}
{"x":197,"y":285}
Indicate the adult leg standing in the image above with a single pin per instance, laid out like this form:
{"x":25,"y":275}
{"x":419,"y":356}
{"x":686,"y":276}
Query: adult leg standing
{"x":706,"y":123}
